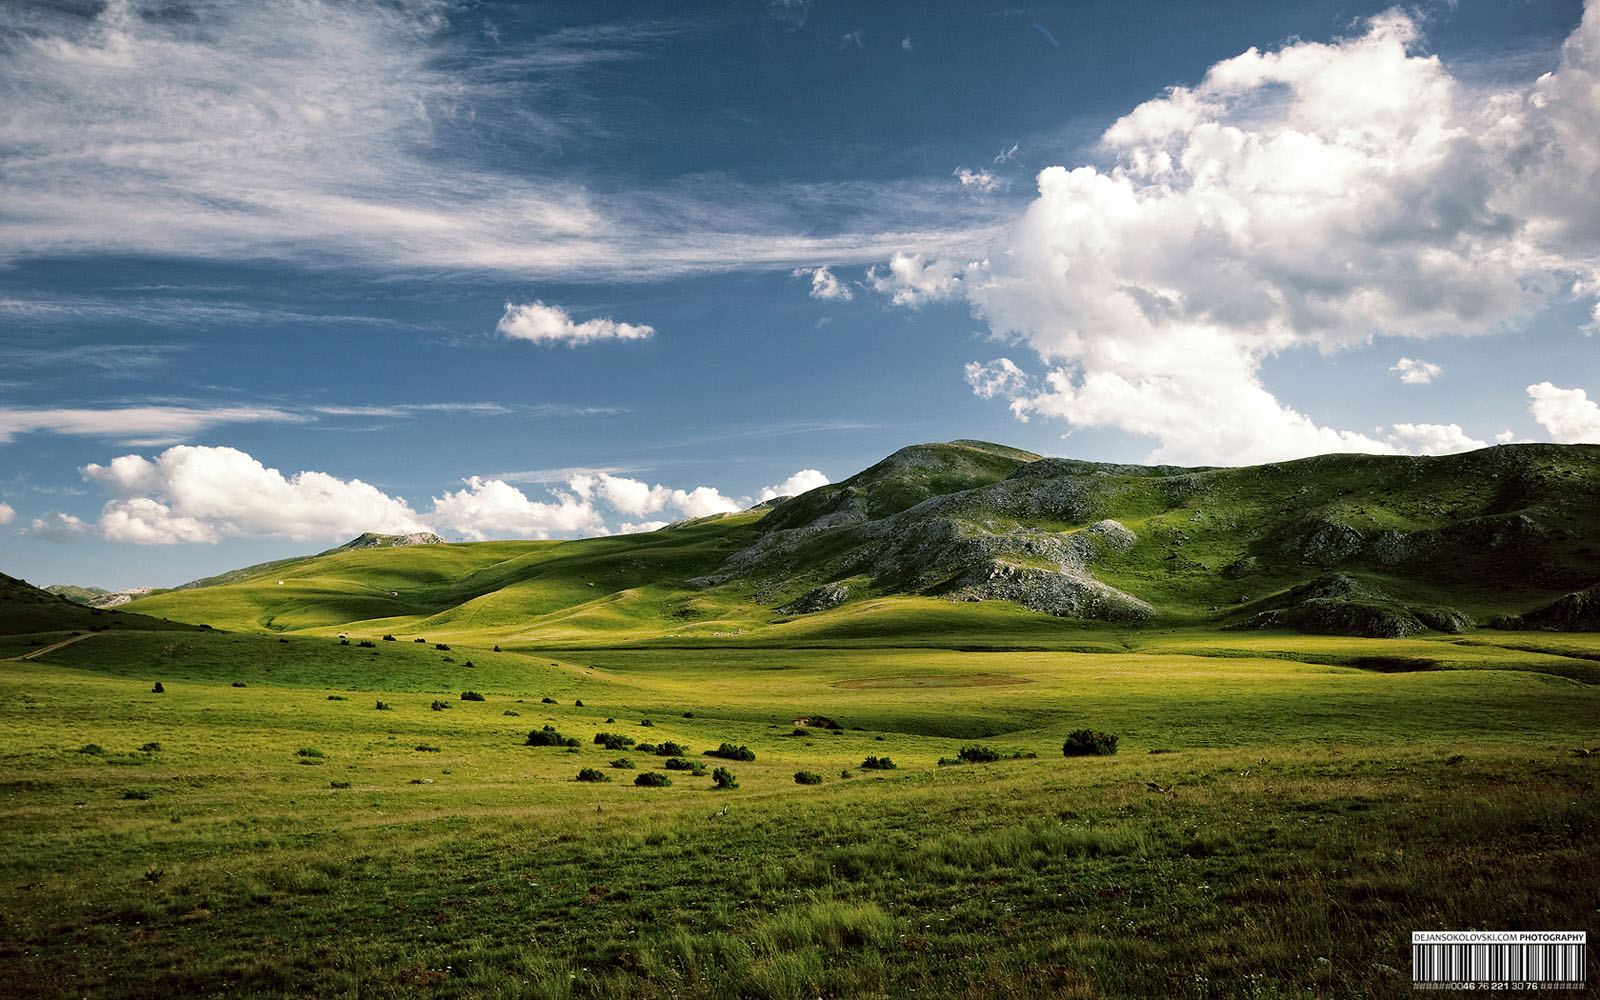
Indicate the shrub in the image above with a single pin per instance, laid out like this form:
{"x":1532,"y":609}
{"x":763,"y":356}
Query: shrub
{"x":548,"y":737}
{"x":728,"y":751}
{"x":510,"y":712}
{"x":723,"y":778}
{"x":497,"y":648}
{"x":578,"y":703}
{"x":652,"y":779}
{"x":158,"y":689}
{"x":646,"y":722}
{"x":309,"y":752}
{"x":609,"y":720}
{"x":442,"y":647}
{"x":338,"y":784}
{"x":439,"y":706}
{"x":92,"y":749}
{"x":367,"y":644}
{"x":427,"y":748}
{"x":978,"y":754}
{"x":382,"y":706}
{"x":548,"y":701}
{"x":469,"y":663}
{"x":800,"y":732}
{"x":677,"y":764}
{"x":136,"y":793}
{"x":390,"y":638}
{"x":1088,"y":743}
{"x":877,"y":764}
{"x":649,"y":748}
{"x":471,"y":696}
{"x":613,"y":741}
{"x":238,"y":684}
{"x":671,"y":749}
{"x":419,"y":640}
{"x":284,"y":641}
{"x":688,"y":715}
{"x":592,"y":774}
{"x":151,"y":747}
{"x":344,"y":642}
{"x":448,"y":659}
{"x":846,"y":773}
{"x":337,"y":697}
{"x":807,"y":778}
{"x":623,"y":763}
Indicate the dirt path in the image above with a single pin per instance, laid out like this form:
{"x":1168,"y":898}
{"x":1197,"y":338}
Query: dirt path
{"x":52,"y":647}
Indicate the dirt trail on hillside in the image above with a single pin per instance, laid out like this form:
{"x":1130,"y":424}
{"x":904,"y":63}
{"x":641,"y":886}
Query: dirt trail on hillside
{"x":51,"y":648}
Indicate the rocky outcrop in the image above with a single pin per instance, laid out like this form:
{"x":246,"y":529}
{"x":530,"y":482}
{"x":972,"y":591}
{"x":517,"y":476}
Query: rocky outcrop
{"x":818,"y":599}
{"x":1341,"y":604}
{"x":1575,"y":612}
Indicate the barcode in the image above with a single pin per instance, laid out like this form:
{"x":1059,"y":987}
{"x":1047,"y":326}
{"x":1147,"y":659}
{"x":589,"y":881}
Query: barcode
{"x":1498,"y":963}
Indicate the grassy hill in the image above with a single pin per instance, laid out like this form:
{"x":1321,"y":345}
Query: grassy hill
{"x":1378,"y":546}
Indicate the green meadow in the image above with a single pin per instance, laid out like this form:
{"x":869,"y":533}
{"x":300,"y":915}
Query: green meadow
{"x":1281,"y":812}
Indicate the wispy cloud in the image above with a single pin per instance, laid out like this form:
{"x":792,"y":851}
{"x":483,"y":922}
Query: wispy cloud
{"x":338,"y":134}
{"x":134,"y":424}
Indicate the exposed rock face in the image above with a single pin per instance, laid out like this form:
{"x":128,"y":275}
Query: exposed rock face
{"x":1340,"y":604}
{"x":1065,"y":595}
{"x":373,"y":540}
{"x":818,"y":599}
{"x":1576,"y":612}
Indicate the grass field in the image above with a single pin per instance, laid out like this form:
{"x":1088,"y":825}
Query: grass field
{"x":1281,"y":814}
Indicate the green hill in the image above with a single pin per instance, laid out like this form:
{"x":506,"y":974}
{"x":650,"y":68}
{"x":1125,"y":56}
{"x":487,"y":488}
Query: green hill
{"x":946,"y":537}
{"x":26,"y":609}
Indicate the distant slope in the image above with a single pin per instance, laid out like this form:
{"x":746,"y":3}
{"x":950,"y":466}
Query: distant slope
{"x":75,"y":594}
{"x":25,"y":608}
{"x":1380,"y":546}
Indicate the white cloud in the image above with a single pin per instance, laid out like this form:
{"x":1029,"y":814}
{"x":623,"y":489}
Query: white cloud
{"x":981,"y":181}
{"x":633,"y":497}
{"x":130,"y":422}
{"x":190,"y":494}
{"x":8,"y":513}
{"x":905,"y":43}
{"x":1413,"y":372}
{"x":544,"y":324}
{"x":495,"y":509}
{"x":910,"y":281}
{"x":824,"y":285}
{"x":1569,"y":415}
{"x":1306,"y":198}
{"x":800,"y":482}
{"x":1005,"y":155}
{"x":632,"y":528}
{"x":1000,"y":377}
{"x":58,"y":527}
{"x":1435,"y":439}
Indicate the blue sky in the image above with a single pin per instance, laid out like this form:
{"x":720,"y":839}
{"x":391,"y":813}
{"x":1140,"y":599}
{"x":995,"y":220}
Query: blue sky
{"x":275,"y":273}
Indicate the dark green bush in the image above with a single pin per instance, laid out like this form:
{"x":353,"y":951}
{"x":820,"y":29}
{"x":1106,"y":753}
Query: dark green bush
{"x":623,"y":763}
{"x":337,"y":697}
{"x":578,"y":703}
{"x":367,"y":644}
{"x":93,"y":749}
{"x":420,"y":640}
{"x":677,"y":764}
{"x":309,"y":752}
{"x":1089,"y":743}
{"x":807,"y":778}
{"x":158,"y":689}
{"x":338,"y":784}
{"x":592,"y":774}
{"x":136,"y":793}
{"x":382,"y":706}
{"x":728,"y":751}
{"x":613,"y":741}
{"x":548,"y":737}
{"x":652,"y":779}
{"x":548,"y":701}
{"x":442,"y":647}
{"x":427,"y":748}
{"x":976,"y":754}
{"x":390,"y":638}
{"x":510,"y":712}
{"x":649,"y":748}
{"x":671,"y":749}
{"x":439,"y":706}
{"x":723,"y":778}
{"x":471,"y":696}
{"x":877,"y":764}
{"x":151,"y":747}
{"x":238,"y":684}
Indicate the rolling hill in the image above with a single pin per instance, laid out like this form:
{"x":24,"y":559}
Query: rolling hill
{"x":948,"y":537}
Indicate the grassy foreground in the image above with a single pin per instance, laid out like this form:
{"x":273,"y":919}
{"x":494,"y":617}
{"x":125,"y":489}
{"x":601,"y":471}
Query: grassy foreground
{"x":1276,"y":822}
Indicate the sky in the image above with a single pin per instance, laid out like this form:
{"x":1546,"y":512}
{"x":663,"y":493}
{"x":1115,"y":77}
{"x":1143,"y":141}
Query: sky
{"x":277,"y":272}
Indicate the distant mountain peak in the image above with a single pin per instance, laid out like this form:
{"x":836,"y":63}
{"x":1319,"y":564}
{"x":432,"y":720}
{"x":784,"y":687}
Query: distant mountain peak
{"x":374,"y":540}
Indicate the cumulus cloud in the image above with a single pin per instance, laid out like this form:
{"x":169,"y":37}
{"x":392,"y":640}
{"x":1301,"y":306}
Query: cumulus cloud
{"x":1413,"y":372}
{"x":544,"y":324}
{"x":636,"y":498}
{"x":911,"y":281}
{"x":640,"y":527}
{"x":492,"y":508}
{"x":800,"y":482}
{"x":1569,"y":415}
{"x":824,"y":285}
{"x":1435,"y":439}
{"x":1303,"y":198}
{"x":202,"y":494}
{"x":8,"y":513}
{"x":1000,"y":377}
{"x":58,"y":527}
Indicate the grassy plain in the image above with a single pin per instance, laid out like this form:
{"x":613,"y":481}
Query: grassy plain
{"x":1282,"y":812}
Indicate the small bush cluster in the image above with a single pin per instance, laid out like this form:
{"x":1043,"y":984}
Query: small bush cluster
{"x":439,"y":706}
{"x":309,"y":752}
{"x":337,"y":697}
{"x":390,"y":638}
{"x":338,"y":784}
{"x":382,"y":706}
{"x":592,"y":774}
{"x":238,"y":684}
{"x":427,"y":748}
{"x":548,"y":701}
{"x":424,"y":641}
{"x":471,"y":696}
{"x":723,"y":778}
{"x":442,"y":647}
{"x":367,"y":644}
{"x":622,"y":763}
{"x":613,"y":741}
{"x":1089,"y":743}
{"x":151,"y":747}
{"x":807,"y":778}
{"x":652,"y":779}
{"x":548,"y":737}
{"x":877,"y":764}
{"x":694,"y":767}
{"x":92,"y":749}
{"x":158,"y":689}
{"x":671,"y":749}
{"x":728,"y":751}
